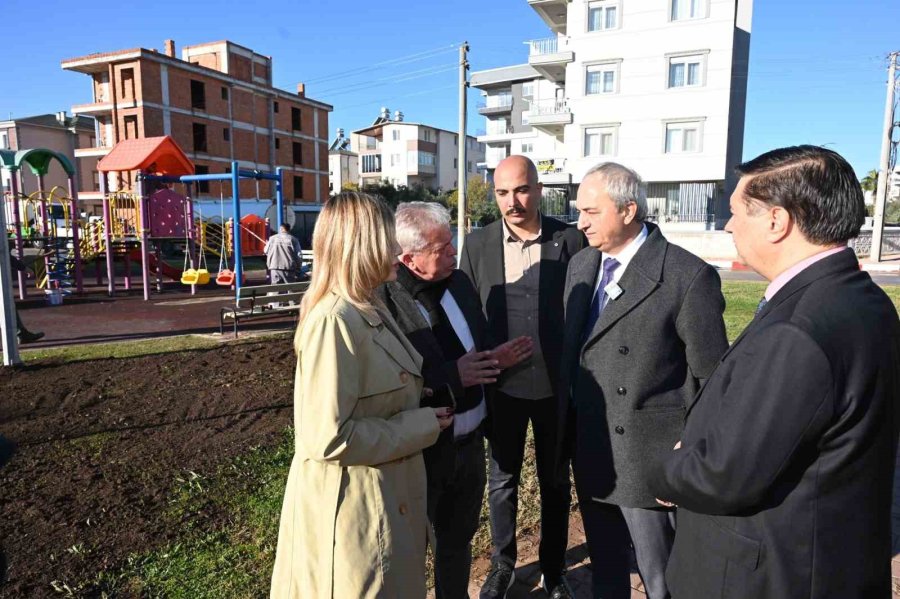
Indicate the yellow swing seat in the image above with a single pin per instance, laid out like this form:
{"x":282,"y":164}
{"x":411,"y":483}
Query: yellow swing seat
{"x":190,"y":277}
{"x":202,"y":276}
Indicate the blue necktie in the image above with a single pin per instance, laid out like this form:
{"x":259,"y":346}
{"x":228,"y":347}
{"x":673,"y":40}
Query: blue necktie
{"x":599,"y":302}
{"x":760,"y":306}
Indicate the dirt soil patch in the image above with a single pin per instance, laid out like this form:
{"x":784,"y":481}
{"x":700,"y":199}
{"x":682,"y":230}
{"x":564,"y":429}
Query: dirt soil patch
{"x":99,"y":446}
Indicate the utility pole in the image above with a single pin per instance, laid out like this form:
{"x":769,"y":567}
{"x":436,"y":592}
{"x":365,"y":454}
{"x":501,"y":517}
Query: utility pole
{"x":884,"y":165}
{"x":461,"y":206}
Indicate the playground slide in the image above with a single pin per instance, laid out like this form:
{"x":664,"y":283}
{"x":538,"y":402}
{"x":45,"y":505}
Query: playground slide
{"x":167,"y":271}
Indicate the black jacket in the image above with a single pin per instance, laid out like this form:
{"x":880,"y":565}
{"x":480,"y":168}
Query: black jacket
{"x":482,"y":260}
{"x":785,"y":472}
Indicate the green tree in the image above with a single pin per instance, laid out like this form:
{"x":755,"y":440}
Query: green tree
{"x":481,"y":207}
{"x":869,"y":183}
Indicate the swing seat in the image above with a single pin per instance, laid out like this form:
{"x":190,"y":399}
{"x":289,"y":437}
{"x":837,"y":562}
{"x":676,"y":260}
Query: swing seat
{"x":225,"y":278}
{"x":202,"y":276}
{"x":190,"y":276}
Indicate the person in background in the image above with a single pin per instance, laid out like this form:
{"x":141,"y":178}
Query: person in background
{"x":353,"y":521}
{"x":284,"y":256}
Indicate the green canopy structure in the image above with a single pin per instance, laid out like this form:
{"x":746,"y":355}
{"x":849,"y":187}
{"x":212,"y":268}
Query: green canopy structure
{"x":39,"y":160}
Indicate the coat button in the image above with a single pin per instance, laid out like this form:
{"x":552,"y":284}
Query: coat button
{"x":403,"y":509}
{"x":620,"y":430}
{"x":623,"y":350}
{"x":621,"y":391}
{"x":404,"y":377}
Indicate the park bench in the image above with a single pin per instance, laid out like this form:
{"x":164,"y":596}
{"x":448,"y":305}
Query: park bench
{"x":260,"y":301}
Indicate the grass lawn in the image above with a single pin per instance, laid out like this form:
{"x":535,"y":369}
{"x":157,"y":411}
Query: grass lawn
{"x":237,"y":560}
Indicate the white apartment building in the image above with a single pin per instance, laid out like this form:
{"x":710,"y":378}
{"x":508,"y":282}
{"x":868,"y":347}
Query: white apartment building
{"x":410,"y":154}
{"x":657,"y":85}
{"x":343,"y":165}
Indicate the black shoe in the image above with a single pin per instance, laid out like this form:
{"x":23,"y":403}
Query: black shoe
{"x":498,"y":581}
{"x":29,"y":337}
{"x":557,"y":589}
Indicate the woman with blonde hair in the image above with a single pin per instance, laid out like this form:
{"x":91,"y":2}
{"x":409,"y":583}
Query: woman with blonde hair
{"x":353,"y":523}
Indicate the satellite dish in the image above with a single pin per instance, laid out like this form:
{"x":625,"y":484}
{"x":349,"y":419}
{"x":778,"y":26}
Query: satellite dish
{"x":288,"y":218}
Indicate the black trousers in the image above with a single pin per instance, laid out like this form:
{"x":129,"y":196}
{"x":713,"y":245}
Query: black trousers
{"x":454,"y":505}
{"x":508,"y":428}
{"x":608,"y":547}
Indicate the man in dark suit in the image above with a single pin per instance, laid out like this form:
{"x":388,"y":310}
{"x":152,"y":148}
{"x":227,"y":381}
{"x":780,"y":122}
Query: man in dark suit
{"x":643,"y":327}
{"x":518,"y":264}
{"x":783,"y":475}
{"x":440,"y":313}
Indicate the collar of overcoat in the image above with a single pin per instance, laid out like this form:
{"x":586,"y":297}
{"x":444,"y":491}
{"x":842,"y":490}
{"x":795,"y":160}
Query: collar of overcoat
{"x":392,"y":340}
{"x":640,"y":279}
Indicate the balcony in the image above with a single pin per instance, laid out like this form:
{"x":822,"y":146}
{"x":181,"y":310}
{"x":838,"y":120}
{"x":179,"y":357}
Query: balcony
{"x":552,"y":171}
{"x":553,"y":12}
{"x":497,"y":134}
{"x":102,"y":107}
{"x":549,"y":59}
{"x":494,"y":155}
{"x":550,"y":116}
{"x":422,"y":169}
{"x":496,"y":105}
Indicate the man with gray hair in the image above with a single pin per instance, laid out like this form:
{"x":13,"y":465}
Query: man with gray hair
{"x":643,"y":328}
{"x":439,"y":311}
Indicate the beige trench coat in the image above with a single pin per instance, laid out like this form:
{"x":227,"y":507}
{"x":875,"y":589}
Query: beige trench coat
{"x":353,"y":523}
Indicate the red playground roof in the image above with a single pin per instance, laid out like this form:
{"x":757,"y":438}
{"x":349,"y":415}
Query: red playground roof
{"x":155,"y":155}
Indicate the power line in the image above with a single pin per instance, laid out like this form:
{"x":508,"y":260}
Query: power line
{"x":415,"y":57}
{"x":390,"y":78}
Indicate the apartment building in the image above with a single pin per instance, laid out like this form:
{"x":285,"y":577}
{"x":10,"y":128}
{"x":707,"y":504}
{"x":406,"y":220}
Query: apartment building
{"x":58,"y":132}
{"x":410,"y":154}
{"x":218,"y":102}
{"x":343,"y":165}
{"x":658,"y":85}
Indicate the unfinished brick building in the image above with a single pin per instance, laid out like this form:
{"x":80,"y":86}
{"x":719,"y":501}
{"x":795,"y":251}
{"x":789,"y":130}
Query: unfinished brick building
{"x":217,"y":101}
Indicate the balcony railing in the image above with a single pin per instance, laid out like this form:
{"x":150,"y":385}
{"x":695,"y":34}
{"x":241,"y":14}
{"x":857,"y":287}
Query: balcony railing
{"x":548,"y":107}
{"x":496,"y":102}
{"x":549,"y":45}
{"x":500,"y":130}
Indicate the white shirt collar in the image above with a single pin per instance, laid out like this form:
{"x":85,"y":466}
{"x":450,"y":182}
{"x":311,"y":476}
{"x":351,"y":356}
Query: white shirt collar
{"x":625,"y":256}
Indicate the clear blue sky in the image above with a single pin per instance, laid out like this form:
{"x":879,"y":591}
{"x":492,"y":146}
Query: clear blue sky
{"x":817,"y":69}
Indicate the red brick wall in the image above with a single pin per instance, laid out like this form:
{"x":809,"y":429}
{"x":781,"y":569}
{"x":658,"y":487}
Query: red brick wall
{"x":150,"y":81}
{"x":239,"y":67}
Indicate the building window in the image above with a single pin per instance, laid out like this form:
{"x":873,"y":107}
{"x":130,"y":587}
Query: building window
{"x":421,"y":158}
{"x":131,"y":128}
{"x":426,"y":134}
{"x":601,"y":78}
{"x":603,"y":15}
{"x":600,"y":141}
{"x":469,"y":166}
{"x":526,"y":114}
{"x":456,"y":163}
{"x":683,"y":10}
{"x":128,"y":84}
{"x":198,"y":95}
{"x":96,"y":178}
{"x":275,"y":106}
{"x":224,"y":93}
{"x":527,"y":148}
{"x":371,"y":163}
{"x":298,"y":152}
{"x":277,"y":143}
{"x":295,"y":119}
{"x":226,"y":134}
{"x":395,"y":135}
{"x":4,"y":140}
{"x":395,"y":159}
{"x":528,"y":89}
{"x":199,"y":137}
{"x":686,"y":71}
{"x":298,"y":187}
{"x":683,"y":137}
{"x":202,"y":186}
